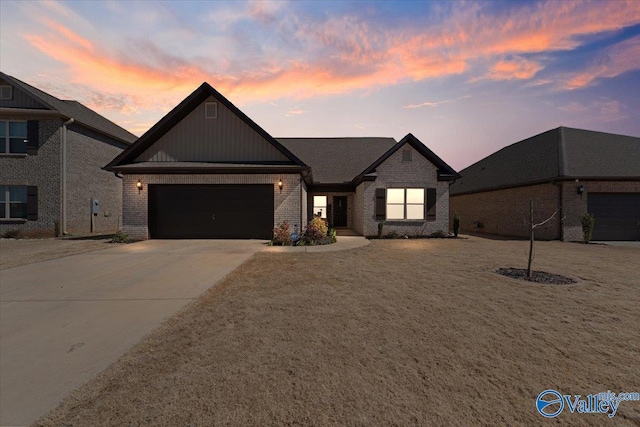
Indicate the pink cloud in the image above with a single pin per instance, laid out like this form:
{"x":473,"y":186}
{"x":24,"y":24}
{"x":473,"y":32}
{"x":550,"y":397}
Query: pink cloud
{"x":518,"y":68}
{"x":623,"y":57}
{"x":342,"y":54}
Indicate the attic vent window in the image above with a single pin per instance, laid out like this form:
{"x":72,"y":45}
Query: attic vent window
{"x":6,"y":92}
{"x":210,"y":110}
{"x":406,"y":155}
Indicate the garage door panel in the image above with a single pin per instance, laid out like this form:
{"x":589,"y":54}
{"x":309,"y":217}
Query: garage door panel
{"x":617,"y":215}
{"x":211,"y":211}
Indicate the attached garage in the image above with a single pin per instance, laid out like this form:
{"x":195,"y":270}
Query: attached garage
{"x":211,"y":211}
{"x":617,"y":215}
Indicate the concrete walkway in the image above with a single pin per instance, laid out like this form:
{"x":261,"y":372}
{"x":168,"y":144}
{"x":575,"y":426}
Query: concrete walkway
{"x":65,"y":320}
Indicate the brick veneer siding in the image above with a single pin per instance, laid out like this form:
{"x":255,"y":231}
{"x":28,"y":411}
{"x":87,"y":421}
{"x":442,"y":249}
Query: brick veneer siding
{"x":506,"y":212}
{"x":87,"y":152}
{"x":42,"y":171}
{"x":358,"y":207}
{"x":287,"y":204}
{"x":393,"y":172}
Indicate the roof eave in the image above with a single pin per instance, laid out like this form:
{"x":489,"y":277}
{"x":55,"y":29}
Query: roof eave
{"x":553,"y":180}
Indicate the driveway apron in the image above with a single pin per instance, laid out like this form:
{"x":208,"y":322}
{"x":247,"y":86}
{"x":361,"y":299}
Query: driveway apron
{"x":65,"y":320}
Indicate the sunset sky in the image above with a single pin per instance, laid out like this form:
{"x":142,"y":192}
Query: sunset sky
{"x":466,"y":78}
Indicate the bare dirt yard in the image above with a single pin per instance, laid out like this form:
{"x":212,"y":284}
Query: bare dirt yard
{"x":17,"y":252}
{"x":400,"y":332}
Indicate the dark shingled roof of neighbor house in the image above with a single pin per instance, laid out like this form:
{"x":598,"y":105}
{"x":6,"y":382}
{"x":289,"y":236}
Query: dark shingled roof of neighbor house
{"x":337,"y":160}
{"x":78,"y":111}
{"x":562,"y":153}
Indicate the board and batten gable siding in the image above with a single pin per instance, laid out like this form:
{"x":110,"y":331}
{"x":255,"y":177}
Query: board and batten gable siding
{"x":396,"y":173}
{"x":225,"y":139}
{"x":19,"y":99}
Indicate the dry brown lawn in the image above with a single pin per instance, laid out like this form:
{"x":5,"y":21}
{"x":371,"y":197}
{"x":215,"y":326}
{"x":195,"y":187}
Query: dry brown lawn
{"x":17,"y":252}
{"x":404,"y":332}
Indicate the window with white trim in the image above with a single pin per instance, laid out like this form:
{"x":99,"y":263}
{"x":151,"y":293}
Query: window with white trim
{"x":320,"y":206}
{"x":13,"y":137}
{"x":13,"y":202}
{"x":405,"y":203}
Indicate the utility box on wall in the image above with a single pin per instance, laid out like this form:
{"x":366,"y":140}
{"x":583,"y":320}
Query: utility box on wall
{"x":95,"y":207}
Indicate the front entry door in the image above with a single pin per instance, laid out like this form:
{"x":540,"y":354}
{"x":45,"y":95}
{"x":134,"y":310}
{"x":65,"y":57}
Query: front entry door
{"x":340,"y":211}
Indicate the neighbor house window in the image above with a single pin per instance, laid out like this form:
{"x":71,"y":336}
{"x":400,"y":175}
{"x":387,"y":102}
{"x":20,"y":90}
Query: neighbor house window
{"x":13,"y":202}
{"x":405,"y":203}
{"x":320,"y":206}
{"x":13,"y":137}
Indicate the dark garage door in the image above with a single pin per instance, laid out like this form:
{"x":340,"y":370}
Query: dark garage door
{"x":211,"y":211}
{"x":617,"y":215}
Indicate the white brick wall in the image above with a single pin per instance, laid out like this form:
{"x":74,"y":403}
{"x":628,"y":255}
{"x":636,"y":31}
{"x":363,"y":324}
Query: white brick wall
{"x":287,"y":203}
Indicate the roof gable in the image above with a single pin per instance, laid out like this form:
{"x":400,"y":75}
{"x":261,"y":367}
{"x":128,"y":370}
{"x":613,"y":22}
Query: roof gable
{"x":225,"y":139}
{"x":218,"y":146}
{"x":30,"y":98}
{"x":445,"y":172}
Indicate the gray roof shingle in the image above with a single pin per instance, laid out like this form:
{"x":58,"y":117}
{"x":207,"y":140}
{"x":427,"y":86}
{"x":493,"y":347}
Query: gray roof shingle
{"x":337,"y":160}
{"x":559,"y":153}
{"x":75,"y":109}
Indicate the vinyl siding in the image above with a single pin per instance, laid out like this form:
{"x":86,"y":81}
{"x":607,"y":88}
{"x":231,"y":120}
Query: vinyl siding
{"x":20,"y":99}
{"x":226,"y":139}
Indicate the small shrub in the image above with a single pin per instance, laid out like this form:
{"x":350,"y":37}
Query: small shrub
{"x":588,"y":221}
{"x":393,"y":234}
{"x":56,"y":229}
{"x":438,"y":234}
{"x":282,"y":234}
{"x":120,"y":237}
{"x":16,"y":233}
{"x":316,"y":230}
{"x":456,"y":224}
{"x":380,"y":226}
{"x":332,"y":236}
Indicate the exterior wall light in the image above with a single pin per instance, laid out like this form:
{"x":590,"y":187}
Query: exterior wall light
{"x":139,"y":186}
{"x":280,"y":185}
{"x":581,"y":190}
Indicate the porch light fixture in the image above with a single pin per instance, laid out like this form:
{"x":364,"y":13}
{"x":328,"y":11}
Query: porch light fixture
{"x":581,"y":190}
{"x":280,"y":185}
{"x":139,"y":186}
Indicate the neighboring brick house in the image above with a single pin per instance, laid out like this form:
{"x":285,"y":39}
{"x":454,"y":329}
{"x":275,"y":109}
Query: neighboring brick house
{"x":43,"y":140}
{"x":206,"y":170}
{"x":568,"y":171}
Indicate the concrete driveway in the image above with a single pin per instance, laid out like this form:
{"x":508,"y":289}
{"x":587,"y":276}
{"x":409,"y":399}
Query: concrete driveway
{"x":65,"y":320}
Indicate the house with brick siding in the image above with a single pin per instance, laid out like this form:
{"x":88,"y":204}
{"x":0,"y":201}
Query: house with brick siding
{"x":51,"y":156}
{"x":565,"y":171}
{"x":206,"y":170}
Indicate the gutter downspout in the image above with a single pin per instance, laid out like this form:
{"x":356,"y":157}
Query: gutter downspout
{"x":63,"y":180}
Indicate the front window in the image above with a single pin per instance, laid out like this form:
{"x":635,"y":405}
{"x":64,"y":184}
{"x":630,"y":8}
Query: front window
{"x":13,"y":202}
{"x":13,"y":137}
{"x":405,"y":203}
{"x":320,"y":206}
